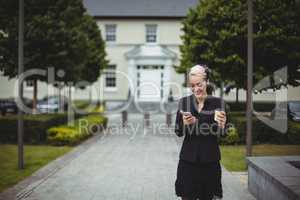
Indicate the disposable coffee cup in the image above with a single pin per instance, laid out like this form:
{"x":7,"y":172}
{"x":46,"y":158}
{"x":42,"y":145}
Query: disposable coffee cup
{"x":217,"y":111}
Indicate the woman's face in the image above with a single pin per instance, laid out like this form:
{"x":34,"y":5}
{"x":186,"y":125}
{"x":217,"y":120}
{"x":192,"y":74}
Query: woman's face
{"x":198,"y":85}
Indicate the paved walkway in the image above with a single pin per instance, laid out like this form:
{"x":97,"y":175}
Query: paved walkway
{"x":131,"y":163}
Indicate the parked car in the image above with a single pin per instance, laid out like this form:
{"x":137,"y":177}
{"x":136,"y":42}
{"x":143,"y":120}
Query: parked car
{"x":290,"y":109}
{"x":52,"y":104}
{"x":8,"y":106}
{"x":229,"y":87}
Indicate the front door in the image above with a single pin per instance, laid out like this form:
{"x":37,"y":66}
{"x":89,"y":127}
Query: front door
{"x":149,"y":82}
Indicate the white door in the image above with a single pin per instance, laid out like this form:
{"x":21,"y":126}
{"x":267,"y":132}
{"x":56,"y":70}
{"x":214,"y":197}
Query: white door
{"x":149,"y":85}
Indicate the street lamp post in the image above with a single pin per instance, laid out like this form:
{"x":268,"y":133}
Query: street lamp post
{"x":249,"y":79}
{"x":20,"y":84}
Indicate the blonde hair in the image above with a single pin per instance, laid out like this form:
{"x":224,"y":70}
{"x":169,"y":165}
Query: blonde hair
{"x":199,"y":70}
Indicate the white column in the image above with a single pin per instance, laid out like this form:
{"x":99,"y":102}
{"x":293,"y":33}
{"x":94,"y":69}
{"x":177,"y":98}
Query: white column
{"x":132,"y":75}
{"x":167,"y":77}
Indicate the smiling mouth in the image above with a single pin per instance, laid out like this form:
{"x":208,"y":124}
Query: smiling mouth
{"x":199,"y":92}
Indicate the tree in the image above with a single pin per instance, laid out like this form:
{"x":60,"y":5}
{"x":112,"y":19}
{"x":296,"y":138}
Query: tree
{"x":58,"y":34}
{"x":215,"y":33}
{"x":277,"y":37}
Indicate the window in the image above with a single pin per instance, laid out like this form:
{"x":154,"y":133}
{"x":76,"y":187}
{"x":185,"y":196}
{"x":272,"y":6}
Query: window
{"x":110,"y":76}
{"x":151,"y":33}
{"x":110,"y":32}
{"x":29,"y":83}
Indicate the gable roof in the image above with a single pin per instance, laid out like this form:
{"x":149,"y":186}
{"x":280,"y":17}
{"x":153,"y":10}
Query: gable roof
{"x":139,"y":8}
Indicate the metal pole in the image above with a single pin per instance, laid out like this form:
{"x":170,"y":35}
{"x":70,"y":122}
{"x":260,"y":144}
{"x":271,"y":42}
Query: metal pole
{"x":20,"y":92}
{"x":147,"y":119}
{"x":124,"y":118}
{"x":168,"y":119}
{"x":249,"y":79}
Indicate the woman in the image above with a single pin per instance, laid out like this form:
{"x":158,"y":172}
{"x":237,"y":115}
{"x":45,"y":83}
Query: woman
{"x":199,"y":170}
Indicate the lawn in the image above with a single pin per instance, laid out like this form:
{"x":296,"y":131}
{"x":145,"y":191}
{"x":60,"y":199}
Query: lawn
{"x":35,"y":157}
{"x":233,"y":157}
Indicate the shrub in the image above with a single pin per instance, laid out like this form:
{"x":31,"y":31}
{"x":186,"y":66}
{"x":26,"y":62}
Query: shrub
{"x":62,"y":135}
{"x":231,"y":138}
{"x":293,"y":134}
{"x":71,"y":135}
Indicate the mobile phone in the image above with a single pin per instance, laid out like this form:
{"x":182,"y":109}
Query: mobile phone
{"x":186,"y":113}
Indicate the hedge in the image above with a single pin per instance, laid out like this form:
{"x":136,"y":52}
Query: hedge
{"x":35,"y":127}
{"x":261,"y":133}
{"x":258,"y":106}
{"x":79,"y":130}
{"x":293,"y":135}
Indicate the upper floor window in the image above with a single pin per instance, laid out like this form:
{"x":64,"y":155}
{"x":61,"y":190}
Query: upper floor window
{"x":110,"y":32}
{"x":110,"y":76}
{"x":151,"y":33}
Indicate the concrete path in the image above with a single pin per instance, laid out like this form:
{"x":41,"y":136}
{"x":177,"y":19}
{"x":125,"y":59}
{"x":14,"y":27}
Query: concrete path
{"x":125,"y":164}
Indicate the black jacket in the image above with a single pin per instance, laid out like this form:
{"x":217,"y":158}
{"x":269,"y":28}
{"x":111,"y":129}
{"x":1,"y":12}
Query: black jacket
{"x":201,"y":139}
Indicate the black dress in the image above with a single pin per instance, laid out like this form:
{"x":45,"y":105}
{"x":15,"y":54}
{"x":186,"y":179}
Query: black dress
{"x":199,"y":170}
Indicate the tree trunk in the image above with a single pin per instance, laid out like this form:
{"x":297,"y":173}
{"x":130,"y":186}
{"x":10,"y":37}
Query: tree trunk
{"x":221,"y":90}
{"x":70,"y":112}
{"x":237,"y":95}
{"x":70,"y":99}
{"x":90,"y":92}
{"x":34,"y":99}
{"x":60,"y":99}
{"x":185,"y":80}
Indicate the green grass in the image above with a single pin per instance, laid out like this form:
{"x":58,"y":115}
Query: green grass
{"x":233,"y":157}
{"x":34,"y":158}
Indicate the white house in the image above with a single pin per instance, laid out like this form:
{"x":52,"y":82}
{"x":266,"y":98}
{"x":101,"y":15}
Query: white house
{"x":142,"y":41}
